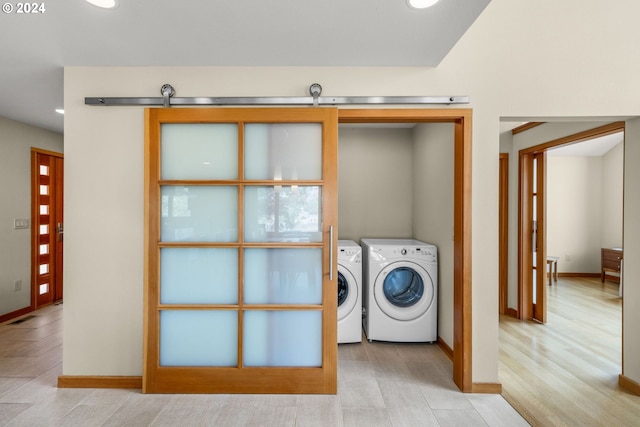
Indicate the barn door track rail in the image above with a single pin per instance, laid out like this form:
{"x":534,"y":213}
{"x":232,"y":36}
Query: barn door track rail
{"x":167,"y":99}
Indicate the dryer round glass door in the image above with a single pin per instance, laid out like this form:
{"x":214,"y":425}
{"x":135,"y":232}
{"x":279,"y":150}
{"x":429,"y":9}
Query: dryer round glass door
{"x":404,"y":290}
{"x":347,"y":292}
{"x":403,"y":287}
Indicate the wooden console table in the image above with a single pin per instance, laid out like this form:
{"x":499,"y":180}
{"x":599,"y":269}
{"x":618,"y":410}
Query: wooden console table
{"x":610,"y":262}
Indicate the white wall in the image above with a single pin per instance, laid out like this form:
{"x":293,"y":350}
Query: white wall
{"x":574,"y":212}
{"x":612,"y":197}
{"x":584,"y":208}
{"x":433,"y":163}
{"x":579,"y":65}
{"x":374,"y":183}
{"x":16,"y":140}
{"x":103,"y":251}
{"x":631,"y":287}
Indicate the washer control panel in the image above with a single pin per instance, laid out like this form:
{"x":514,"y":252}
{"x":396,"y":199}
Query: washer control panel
{"x":353,"y":254}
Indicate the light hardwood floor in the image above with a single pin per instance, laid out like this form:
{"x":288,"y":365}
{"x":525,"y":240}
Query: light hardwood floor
{"x":379,"y":384}
{"x":565,"y":372}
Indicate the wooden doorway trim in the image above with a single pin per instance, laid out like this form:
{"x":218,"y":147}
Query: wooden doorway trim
{"x":503,"y":240}
{"x":461,"y":118}
{"x":525,"y":296}
{"x":586,"y":135}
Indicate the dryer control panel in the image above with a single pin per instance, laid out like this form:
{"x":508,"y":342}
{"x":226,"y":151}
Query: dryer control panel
{"x":428,"y":253}
{"x":379,"y":251}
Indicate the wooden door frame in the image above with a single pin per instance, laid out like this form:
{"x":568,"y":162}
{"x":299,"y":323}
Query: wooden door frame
{"x":58,"y":284}
{"x":525,"y":298}
{"x":503,"y":240}
{"x":461,"y":118}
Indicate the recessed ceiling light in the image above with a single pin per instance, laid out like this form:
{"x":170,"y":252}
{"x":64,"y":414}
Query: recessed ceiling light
{"x":105,"y":4}
{"x":59,"y":111}
{"x":421,"y":4}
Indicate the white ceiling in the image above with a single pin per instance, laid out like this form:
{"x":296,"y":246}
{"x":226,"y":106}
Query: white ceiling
{"x":592,"y":148}
{"x":36,"y":47}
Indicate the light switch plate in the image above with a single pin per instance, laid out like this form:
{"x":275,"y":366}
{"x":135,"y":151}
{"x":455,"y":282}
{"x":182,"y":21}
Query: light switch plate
{"x":20,"y":224}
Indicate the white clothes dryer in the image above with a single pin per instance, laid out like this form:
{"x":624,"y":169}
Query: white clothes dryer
{"x":400,"y":290}
{"x":349,"y":292}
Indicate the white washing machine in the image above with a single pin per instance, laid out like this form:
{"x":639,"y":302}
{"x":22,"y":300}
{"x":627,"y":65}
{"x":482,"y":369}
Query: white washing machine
{"x":349,"y":292}
{"x":400,"y":290}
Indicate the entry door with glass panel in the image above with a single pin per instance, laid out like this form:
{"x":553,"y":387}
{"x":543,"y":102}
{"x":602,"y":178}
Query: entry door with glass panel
{"x":47,"y":169}
{"x":240,"y":287}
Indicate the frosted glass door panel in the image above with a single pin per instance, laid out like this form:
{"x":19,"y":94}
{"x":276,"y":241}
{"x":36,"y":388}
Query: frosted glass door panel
{"x":282,"y":214}
{"x":289,"y":151}
{"x":199,"y":214}
{"x":282,"y":338}
{"x":198,"y":338}
{"x":199,"y":151}
{"x":198,"y":276}
{"x":283,"y":276}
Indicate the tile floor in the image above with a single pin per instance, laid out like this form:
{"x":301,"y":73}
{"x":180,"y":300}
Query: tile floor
{"x":379,"y":384}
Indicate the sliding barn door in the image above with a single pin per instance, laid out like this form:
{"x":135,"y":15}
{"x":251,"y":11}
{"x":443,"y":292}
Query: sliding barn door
{"x":240,"y":286}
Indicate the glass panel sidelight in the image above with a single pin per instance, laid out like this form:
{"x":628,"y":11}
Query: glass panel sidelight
{"x":199,"y":151}
{"x":199,"y":214}
{"x":198,"y":338}
{"x":198,"y":276}
{"x":535,"y":176}
{"x":282,"y":214}
{"x":278,"y":151}
{"x":282,"y":338}
{"x":283,"y":276}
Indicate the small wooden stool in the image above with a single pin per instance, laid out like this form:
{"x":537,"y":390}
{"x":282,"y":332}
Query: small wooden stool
{"x":552,"y":262}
